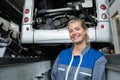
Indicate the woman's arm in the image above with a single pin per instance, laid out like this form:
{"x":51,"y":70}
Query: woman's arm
{"x":99,"y":69}
{"x":54,"y":69}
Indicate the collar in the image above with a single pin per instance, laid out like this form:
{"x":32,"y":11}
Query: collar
{"x":84,"y":51}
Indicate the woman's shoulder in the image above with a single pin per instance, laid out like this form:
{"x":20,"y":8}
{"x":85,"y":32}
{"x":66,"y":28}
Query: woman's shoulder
{"x":65,"y":56}
{"x":65,"y":52}
{"x":95,"y":53}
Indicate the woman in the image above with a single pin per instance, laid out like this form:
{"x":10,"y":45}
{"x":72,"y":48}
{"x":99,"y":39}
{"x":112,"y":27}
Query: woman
{"x":79,"y":62}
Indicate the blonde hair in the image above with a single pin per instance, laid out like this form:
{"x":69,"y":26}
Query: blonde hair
{"x":83,"y":25}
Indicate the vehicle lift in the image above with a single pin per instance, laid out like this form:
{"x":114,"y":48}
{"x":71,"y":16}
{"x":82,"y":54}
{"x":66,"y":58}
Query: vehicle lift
{"x":17,"y":63}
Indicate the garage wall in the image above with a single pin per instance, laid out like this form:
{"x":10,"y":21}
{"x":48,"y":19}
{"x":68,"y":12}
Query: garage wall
{"x":115,"y":23}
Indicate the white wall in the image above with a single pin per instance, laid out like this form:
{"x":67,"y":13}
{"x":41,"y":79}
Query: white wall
{"x":114,"y":10}
{"x":114,"y":7}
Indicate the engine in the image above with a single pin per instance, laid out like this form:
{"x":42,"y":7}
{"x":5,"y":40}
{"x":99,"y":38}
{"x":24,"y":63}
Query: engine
{"x":55,"y":14}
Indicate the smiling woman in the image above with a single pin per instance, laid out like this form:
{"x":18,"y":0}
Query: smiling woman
{"x":77,"y":26}
{"x":79,"y":62}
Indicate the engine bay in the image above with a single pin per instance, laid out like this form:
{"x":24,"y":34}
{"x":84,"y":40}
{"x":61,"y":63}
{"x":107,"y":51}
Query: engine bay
{"x":55,"y":14}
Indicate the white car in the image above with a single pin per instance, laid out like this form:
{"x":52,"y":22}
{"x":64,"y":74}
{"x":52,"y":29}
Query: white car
{"x":45,"y":21}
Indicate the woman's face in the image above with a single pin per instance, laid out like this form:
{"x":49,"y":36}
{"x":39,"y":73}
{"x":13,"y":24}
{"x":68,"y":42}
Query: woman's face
{"x":76,"y":32}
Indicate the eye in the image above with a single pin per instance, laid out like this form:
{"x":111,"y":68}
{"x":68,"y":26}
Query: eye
{"x":70,"y":30}
{"x":77,"y":28}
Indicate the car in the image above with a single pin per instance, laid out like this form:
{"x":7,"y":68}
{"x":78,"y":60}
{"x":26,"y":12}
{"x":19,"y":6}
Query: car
{"x":45,"y":21}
